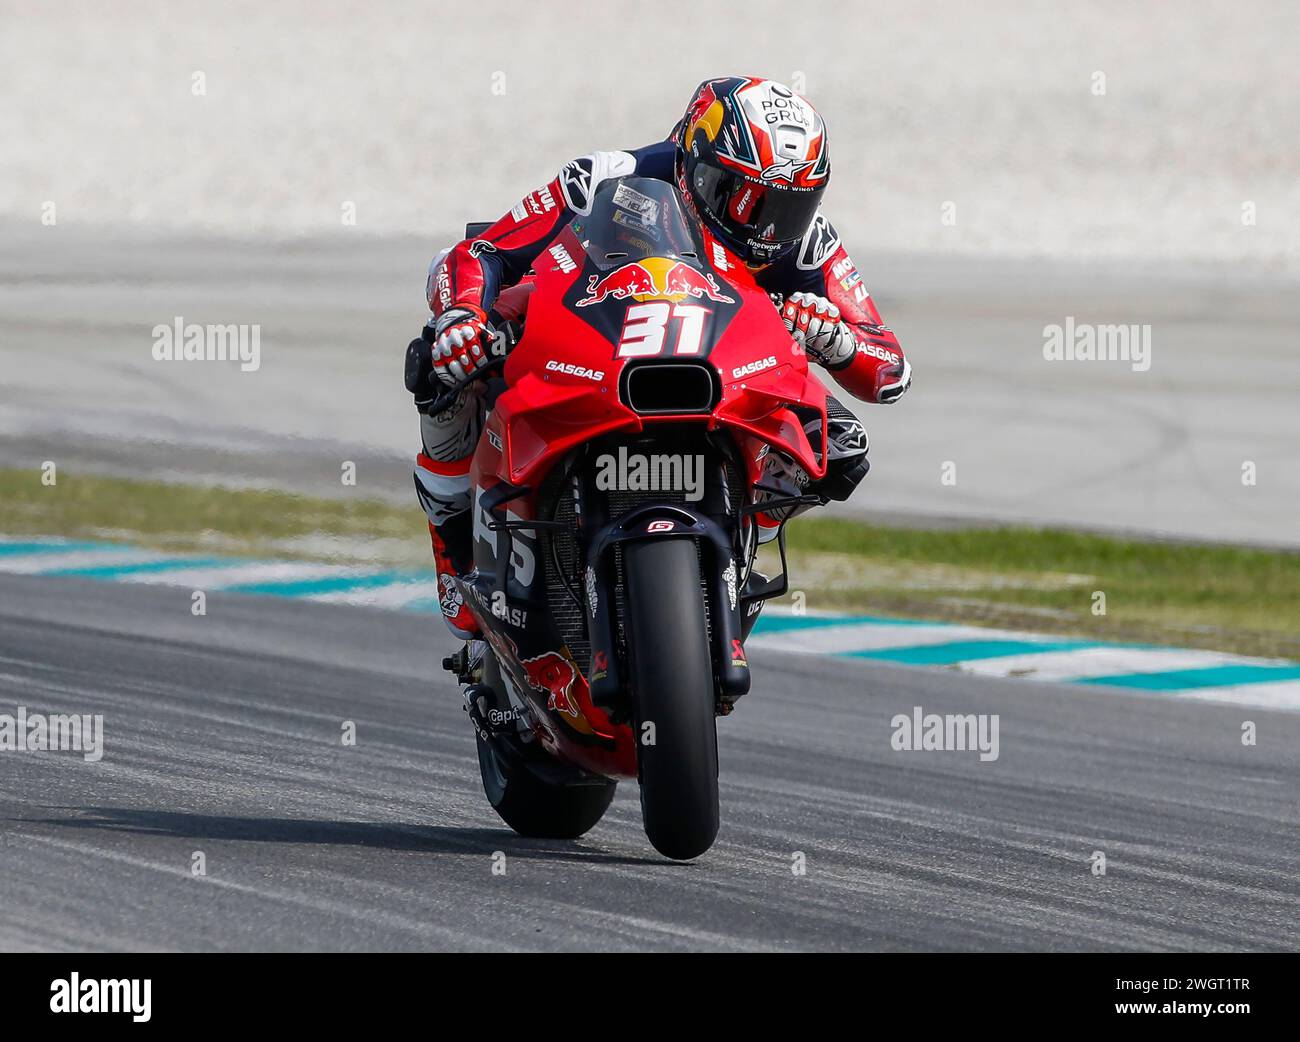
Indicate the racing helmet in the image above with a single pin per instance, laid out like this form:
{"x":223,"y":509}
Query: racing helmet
{"x":752,"y":160}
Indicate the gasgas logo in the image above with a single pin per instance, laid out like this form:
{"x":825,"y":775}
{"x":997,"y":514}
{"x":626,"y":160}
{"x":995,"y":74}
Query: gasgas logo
{"x":655,"y":278}
{"x":750,"y":368}
{"x":569,"y":369}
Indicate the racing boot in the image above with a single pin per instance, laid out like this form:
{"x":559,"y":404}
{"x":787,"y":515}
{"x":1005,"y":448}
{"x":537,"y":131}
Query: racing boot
{"x":453,"y":554}
{"x":442,"y":485}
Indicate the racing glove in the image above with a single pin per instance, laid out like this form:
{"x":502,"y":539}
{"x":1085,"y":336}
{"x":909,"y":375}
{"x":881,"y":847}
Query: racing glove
{"x":868,"y":369}
{"x":814,"y":323}
{"x":463,"y":344}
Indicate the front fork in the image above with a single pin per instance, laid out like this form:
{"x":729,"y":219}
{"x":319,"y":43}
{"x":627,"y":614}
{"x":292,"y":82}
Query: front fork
{"x":721,"y":571}
{"x":721,"y":584}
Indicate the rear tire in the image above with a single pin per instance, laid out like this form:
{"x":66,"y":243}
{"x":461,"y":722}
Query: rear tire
{"x":534,"y":794}
{"x":672,"y":684}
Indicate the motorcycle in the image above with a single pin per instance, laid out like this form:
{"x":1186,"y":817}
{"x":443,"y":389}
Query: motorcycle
{"x":626,"y":455}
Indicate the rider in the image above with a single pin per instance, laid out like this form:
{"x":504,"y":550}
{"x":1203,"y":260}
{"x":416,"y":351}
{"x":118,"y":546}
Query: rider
{"x":750,"y":160}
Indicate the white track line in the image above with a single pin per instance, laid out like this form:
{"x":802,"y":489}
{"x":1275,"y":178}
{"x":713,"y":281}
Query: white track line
{"x":394,"y":595}
{"x":1100,"y":662}
{"x":34,"y":564}
{"x":870,"y":636}
{"x":1285,"y":694}
{"x":209,"y":578}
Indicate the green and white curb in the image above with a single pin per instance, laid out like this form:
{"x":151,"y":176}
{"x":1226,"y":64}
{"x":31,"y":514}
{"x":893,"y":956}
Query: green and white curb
{"x":1208,"y":675}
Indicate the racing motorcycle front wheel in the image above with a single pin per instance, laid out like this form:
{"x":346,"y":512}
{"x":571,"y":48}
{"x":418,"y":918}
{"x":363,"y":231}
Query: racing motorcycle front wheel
{"x":534,"y":794}
{"x":672,"y":684}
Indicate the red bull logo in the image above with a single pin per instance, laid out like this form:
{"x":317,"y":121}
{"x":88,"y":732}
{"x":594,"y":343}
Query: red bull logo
{"x":655,"y":278}
{"x":554,"y":674}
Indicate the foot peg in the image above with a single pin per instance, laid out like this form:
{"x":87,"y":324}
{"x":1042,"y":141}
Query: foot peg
{"x":466,"y":665}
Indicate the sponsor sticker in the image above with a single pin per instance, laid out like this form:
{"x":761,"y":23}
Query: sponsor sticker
{"x":750,"y":368}
{"x":868,"y":348}
{"x":562,"y":258}
{"x":569,"y":369}
{"x":638,"y":203}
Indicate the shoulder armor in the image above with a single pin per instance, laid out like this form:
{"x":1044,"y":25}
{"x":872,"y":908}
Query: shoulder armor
{"x":580,"y":178}
{"x":819,"y":242}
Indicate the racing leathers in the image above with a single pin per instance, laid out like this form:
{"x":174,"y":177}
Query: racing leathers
{"x":815,"y":285}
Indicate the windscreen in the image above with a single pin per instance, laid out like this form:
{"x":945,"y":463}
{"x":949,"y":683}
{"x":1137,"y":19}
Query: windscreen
{"x":634,"y":218}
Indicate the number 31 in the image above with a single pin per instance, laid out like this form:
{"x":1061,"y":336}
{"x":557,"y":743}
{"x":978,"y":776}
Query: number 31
{"x":645,"y":327}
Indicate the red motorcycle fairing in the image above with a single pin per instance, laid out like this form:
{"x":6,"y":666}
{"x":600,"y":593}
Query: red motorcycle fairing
{"x":560,"y":713}
{"x":564,"y":375}
{"x":589,"y":318}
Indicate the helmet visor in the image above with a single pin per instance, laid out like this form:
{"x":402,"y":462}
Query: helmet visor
{"x":747,"y":209}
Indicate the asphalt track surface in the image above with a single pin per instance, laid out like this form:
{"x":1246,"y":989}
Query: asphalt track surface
{"x":222,"y":735}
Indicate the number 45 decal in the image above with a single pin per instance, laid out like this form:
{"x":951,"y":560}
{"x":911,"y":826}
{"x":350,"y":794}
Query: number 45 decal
{"x":645,"y":329}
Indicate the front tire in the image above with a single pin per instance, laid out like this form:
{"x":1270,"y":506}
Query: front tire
{"x":672,"y":684}
{"x":535,"y":795}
